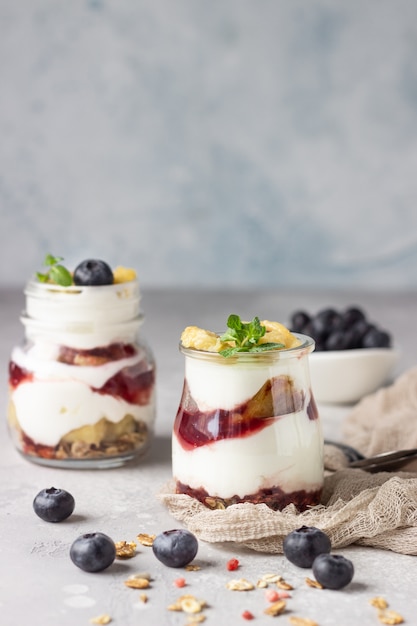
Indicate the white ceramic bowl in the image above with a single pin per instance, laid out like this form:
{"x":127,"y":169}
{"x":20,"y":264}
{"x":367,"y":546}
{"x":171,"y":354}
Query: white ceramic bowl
{"x":345,"y":376}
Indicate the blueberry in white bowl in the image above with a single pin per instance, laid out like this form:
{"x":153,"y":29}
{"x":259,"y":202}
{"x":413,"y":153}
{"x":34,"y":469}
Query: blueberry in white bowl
{"x":353,"y":356}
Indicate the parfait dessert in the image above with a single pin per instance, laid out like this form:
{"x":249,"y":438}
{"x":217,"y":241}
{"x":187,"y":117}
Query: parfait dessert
{"x":82,"y":386}
{"x":247,"y":428}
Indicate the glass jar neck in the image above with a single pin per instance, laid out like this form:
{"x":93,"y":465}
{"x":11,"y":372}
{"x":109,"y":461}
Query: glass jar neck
{"x":82,"y":317}
{"x":265,"y":358}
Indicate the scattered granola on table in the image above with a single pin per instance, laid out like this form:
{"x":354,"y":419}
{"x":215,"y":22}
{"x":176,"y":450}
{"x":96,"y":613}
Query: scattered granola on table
{"x":390,"y":617}
{"x":385,"y":615}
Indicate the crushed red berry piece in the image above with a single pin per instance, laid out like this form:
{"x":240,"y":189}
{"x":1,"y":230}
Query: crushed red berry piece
{"x":248,"y":615}
{"x":180,"y":582}
{"x":232,"y":565}
{"x":271,"y":595}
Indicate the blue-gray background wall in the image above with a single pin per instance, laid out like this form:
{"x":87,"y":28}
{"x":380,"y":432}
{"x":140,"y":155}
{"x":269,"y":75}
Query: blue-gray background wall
{"x":211,"y":142}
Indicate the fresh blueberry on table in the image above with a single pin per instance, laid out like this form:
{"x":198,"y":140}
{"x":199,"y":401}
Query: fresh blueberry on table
{"x":93,"y":552}
{"x":333,"y":571}
{"x":303,"y":545}
{"x":93,"y":272}
{"x":53,"y":505}
{"x":175,"y":548}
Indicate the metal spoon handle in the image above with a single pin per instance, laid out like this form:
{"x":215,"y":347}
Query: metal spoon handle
{"x":385,"y":461}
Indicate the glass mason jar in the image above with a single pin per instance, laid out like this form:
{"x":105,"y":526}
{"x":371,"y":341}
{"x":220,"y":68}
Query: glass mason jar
{"x":82,"y":385}
{"x":248,"y":429}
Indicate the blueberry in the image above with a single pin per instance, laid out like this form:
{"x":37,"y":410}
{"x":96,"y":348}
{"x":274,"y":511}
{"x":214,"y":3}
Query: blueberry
{"x":356,"y":333}
{"x":328,"y":316}
{"x":175,"y":548}
{"x":336,"y":341}
{"x":333,"y":571}
{"x":93,"y":552}
{"x":299,"y":320}
{"x":319,"y":329}
{"x":93,"y":272}
{"x":376,"y":338}
{"x":53,"y":505}
{"x":352,"y":315}
{"x":303,"y":545}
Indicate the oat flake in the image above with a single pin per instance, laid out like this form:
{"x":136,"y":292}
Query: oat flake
{"x":101,"y":619}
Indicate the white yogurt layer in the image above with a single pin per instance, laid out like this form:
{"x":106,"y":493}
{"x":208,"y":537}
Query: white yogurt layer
{"x":286,"y":454}
{"x":104,"y":303}
{"x":215,"y":384}
{"x":67,"y":405}
{"x":60,"y":399}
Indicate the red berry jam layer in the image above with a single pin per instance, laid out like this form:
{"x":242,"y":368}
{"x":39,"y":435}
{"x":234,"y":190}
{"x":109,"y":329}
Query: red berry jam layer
{"x":276,"y":398}
{"x":275,"y":498}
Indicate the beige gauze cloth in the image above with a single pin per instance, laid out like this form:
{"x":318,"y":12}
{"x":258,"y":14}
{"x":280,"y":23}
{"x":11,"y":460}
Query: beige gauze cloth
{"x":357,"y":507}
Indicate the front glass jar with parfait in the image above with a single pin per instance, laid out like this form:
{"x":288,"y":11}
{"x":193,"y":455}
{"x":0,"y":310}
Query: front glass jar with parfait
{"x":82,"y":384}
{"x":247,"y":428}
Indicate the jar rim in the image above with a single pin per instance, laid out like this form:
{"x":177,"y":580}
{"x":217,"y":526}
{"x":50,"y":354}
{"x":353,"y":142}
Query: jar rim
{"x":34,"y":287}
{"x":307,"y":345}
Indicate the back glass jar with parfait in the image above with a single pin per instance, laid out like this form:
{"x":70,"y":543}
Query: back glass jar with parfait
{"x":82,"y":384}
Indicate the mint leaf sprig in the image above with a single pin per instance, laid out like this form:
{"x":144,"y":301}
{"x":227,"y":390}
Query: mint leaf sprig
{"x":56,"y":273}
{"x":246,"y":336}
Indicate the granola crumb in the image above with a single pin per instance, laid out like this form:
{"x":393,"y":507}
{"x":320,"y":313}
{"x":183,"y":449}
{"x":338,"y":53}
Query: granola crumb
{"x":137,"y":583}
{"x":276,"y":608}
{"x":195,"y":620}
{"x":271,"y":578}
{"x":188,"y":604}
{"x":302,"y":621}
{"x":125,"y":549}
{"x":146,"y":539}
{"x":314,"y":583}
{"x":378,"y":602}
{"x":101,"y":619}
{"x":282,"y":584}
{"x":390,"y":617}
{"x":240,"y":584}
